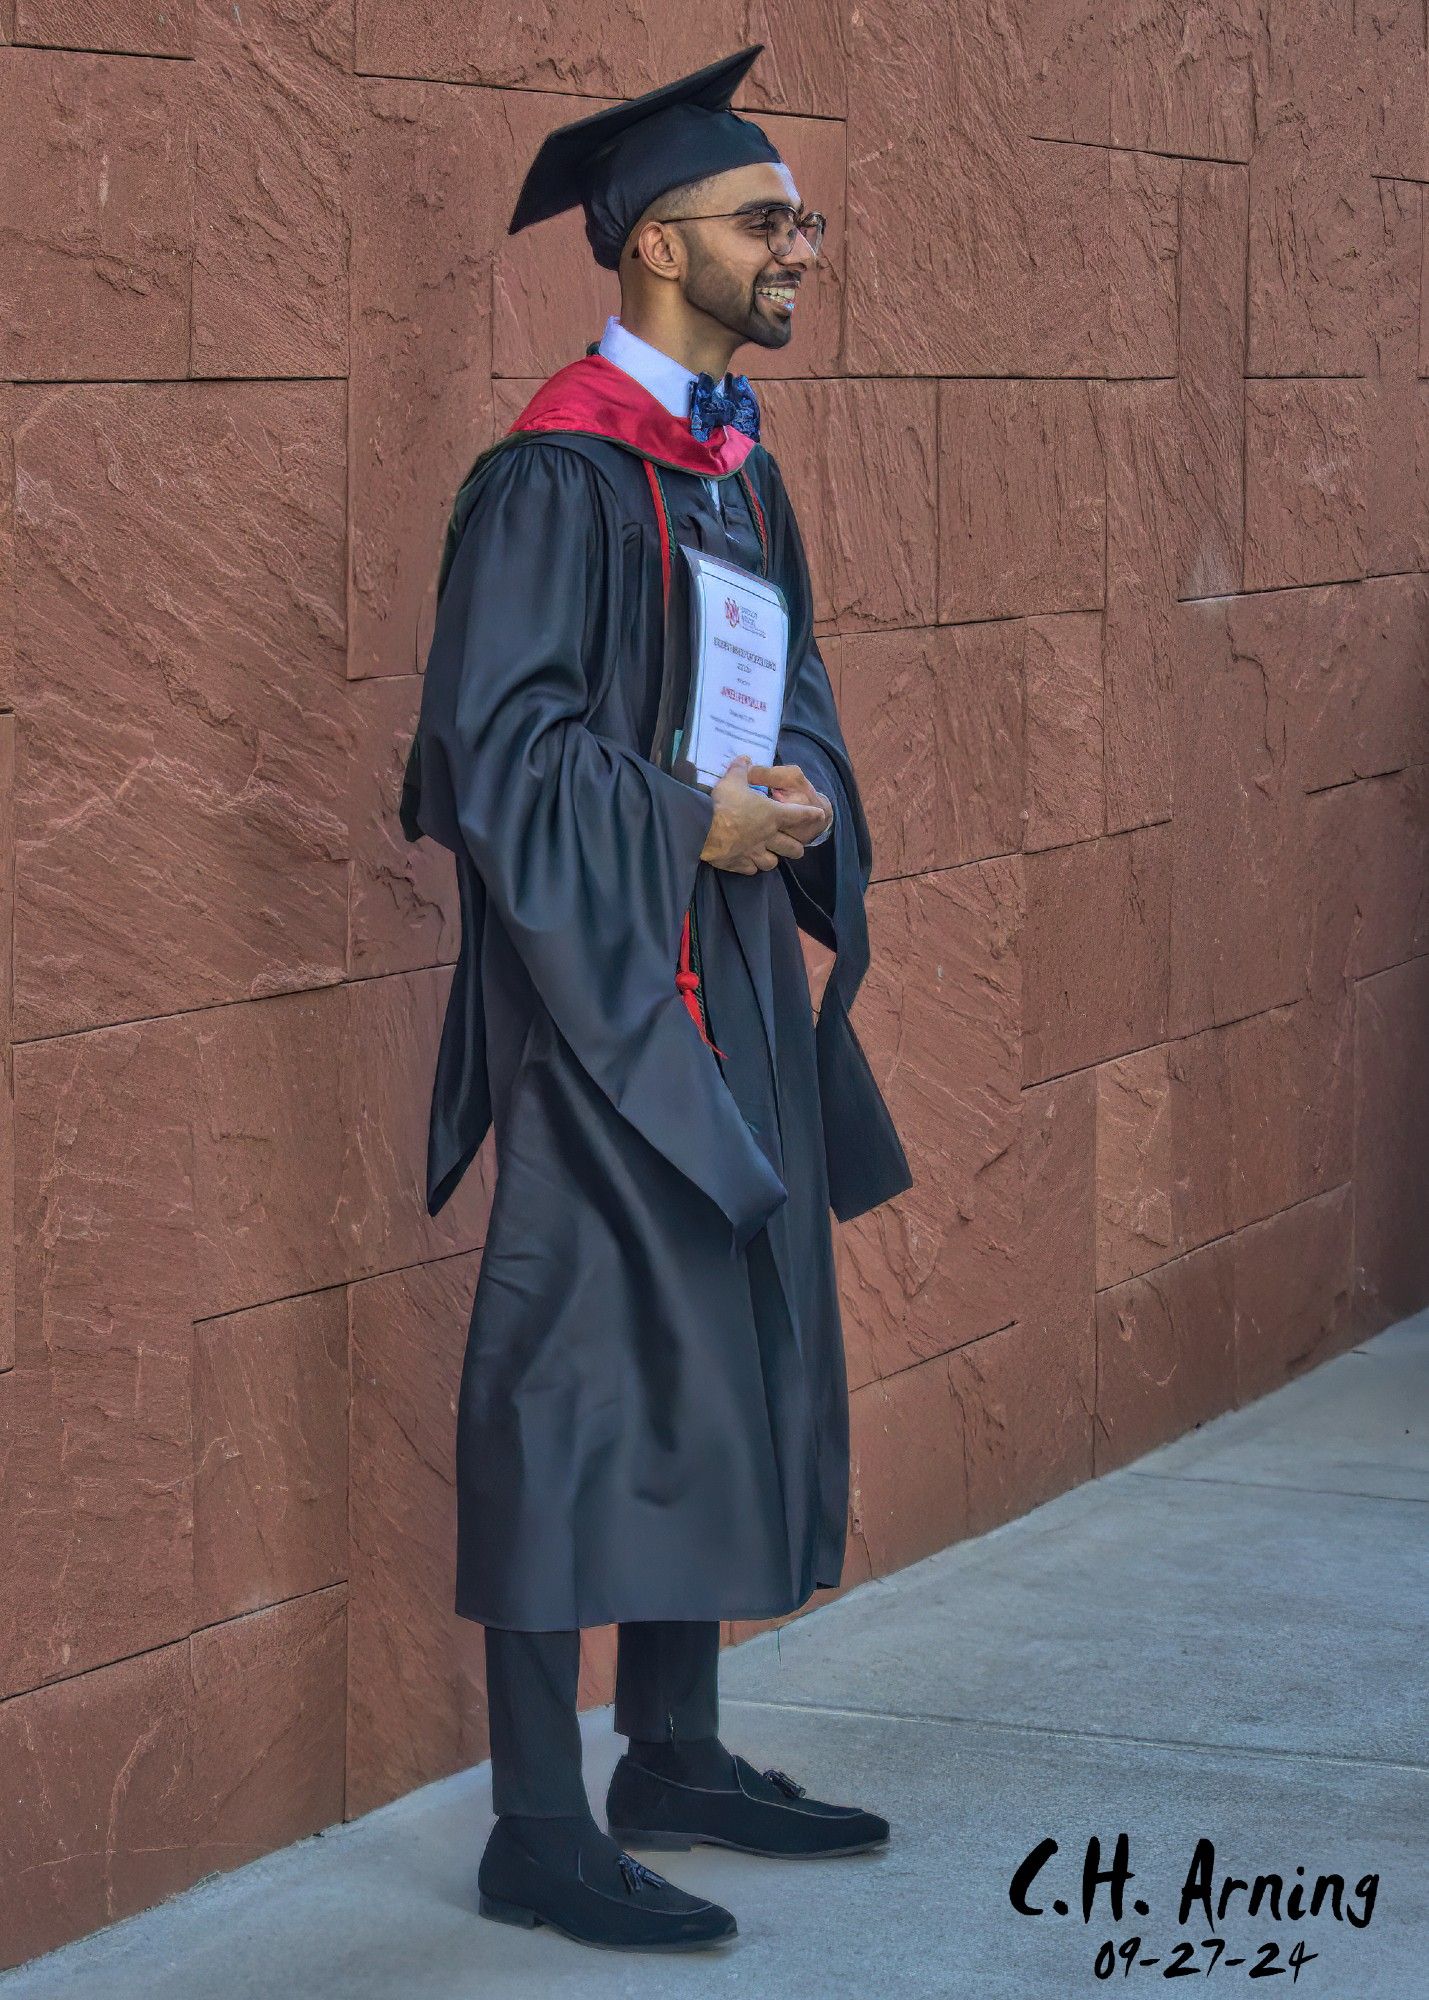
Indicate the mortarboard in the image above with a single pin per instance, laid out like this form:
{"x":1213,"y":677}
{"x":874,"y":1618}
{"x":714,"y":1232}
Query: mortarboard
{"x":615,"y":163}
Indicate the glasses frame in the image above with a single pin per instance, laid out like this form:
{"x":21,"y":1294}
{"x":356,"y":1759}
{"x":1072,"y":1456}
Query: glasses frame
{"x":747,"y":214}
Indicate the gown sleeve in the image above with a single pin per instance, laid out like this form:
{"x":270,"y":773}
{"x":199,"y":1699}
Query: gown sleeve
{"x":587,"y":852}
{"x":827,"y":886}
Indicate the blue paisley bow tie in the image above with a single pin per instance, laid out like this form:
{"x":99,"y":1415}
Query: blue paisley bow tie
{"x":711,"y":406}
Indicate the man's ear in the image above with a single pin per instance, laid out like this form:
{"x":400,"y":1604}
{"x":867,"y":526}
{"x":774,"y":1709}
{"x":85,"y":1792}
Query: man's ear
{"x":657,"y":248}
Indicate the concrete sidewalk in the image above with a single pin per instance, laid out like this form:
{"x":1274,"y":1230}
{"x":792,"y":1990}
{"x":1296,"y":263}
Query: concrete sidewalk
{"x":1226,"y":1641}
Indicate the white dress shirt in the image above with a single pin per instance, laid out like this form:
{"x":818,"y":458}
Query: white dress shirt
{"x":669,"y":382}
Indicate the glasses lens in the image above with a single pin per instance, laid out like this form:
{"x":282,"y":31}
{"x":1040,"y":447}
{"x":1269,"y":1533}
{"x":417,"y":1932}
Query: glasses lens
{"x":782,"y":229}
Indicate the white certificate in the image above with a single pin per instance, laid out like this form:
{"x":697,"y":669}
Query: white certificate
{"x":739,"y":652}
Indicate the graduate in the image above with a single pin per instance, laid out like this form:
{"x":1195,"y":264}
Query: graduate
{"x":653,"y":1419}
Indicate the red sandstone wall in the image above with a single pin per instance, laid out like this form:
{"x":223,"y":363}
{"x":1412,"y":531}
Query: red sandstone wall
{"x":1109,"y":432}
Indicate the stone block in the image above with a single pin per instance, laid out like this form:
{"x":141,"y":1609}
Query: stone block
{"x":585,"y":54}
{"x":1391,"y":1145}
{"x":973,"y":249}
{"x":933,"y":720}
{"x":1026,"y":1396}
{"x":1306,"y":469}
{"x":1146,"y":532}
{"x":268,"y":1728}
{"x":184,"y":743}
{"x":126,"y":27}
{"x":1065,"y":763}
{"x":1166,"y":1154}
{"x":1292,"y":1292}
{"x":420,"y":376}
{"x":908,"y":1481}
{"x":7,"y":1072}
{"x":96,"y":1808}
{"x":860,"y":463}
{"x":97,"y":1463}
{"x":403,"y":908}
{"x":939,"y":1015}
{"x":1021,"y":507}
{"x":270,"y":1397}
{"x":1396,"y":433}
{"x":1210,"y":376}
{"x":416,"y":1672}
{"x":1238,"y":901}
{"x":1311,"y":201}
{"x":1095,"y":958}
{"x":275,"y":111}
{"x":395,"y":1030}
{"x":1182,"y":84}
{"x":1358,"y":679}
{"x":95,"y":253}
{"x":1165,"y":1353}
{"x":1143,"y":239}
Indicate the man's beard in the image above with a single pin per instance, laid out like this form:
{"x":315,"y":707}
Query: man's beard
{"x":714,"y":290}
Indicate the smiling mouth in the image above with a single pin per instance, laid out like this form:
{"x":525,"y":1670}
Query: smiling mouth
{"x":781,"y":296}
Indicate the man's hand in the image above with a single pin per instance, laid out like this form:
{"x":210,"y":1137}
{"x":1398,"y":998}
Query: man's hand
{"x":750,"y":833}
{"x":788,"y":784}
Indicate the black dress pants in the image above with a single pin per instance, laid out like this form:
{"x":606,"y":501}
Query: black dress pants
{"x":665,"y":1687}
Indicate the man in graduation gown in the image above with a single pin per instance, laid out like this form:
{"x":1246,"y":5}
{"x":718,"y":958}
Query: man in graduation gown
{"x":653,"y":1417}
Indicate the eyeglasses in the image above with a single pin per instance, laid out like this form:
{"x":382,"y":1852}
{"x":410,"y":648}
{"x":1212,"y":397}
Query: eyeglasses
{"x":777,"y":222}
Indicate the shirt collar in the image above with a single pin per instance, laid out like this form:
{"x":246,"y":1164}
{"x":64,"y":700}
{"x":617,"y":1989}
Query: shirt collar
{"x":668,"y":380}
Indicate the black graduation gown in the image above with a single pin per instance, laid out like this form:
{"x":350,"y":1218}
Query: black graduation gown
{"x":653,"y":1414}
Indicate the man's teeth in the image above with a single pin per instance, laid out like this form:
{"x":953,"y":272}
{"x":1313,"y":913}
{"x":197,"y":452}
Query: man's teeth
{"x":784,"y":293}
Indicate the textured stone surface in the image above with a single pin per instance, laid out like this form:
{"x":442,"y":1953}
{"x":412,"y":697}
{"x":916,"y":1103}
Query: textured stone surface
{"x":1311,"y":199}
{"x":394,"y":1030}
{"x":939,"y":1016}
{"x":1165,"y":1353}
{"x":1147,"y":527}
{"x":95,"y":249}
{"x":1396,"y":431}
{"x":273,"y":149}
{"x":1305,"y":482}
{"x":97,"y":1462}
{"x":268,"y":1709}
{"x":1095,"y":952}
{"x":934,"y":724}
{"x":133,"y":27}
{"x":7,"y":1073}
{"x":1007,"y":238}
{"x":1236,"y":838}
{"x":1391,"y":1149}
{"x":908,"y":1481}
{"x":1065,"y":791}
{"x":420,"y":378}
{"x":416,"y":1672}
{"x":1022,"y":523}
{"x":1210,"y":382}
{"x":860,"y":463}
{"x":1025,"y":1398}
{"x":184,"y":747}
{"x":614,"y":53}
{"x":403,"y":908}
{"x":1182,"y":80}
{"x":270,"y":1394}
{"x":96,"y":1808}
{"x":1359,"y":681}
{"x":1292,"y":1292}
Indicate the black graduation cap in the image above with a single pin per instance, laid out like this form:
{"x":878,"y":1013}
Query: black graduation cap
{"x":615,"y":163}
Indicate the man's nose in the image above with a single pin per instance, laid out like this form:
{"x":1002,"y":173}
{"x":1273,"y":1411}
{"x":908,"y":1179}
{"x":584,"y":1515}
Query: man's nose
{"x":799,"y":252}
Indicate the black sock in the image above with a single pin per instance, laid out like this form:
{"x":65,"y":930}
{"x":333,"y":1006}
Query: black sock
{"x":696,"y":1760}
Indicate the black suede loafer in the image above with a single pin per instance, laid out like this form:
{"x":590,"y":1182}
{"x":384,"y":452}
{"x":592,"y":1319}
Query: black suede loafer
{"x":757,"y":1812}
{"x":569,"y":1874}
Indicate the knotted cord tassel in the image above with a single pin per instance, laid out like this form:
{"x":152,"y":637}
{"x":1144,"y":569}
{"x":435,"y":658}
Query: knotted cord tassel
{"x":687,"y":982}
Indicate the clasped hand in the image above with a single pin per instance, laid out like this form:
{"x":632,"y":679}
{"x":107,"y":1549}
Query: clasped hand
{"x":751,"y":832}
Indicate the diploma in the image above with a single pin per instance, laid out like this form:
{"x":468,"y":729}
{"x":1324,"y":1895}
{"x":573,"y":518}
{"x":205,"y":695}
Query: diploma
{"x":739,"y":633}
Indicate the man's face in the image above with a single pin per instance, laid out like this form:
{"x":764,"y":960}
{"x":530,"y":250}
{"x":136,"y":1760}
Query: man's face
{"x":731,"y":273}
